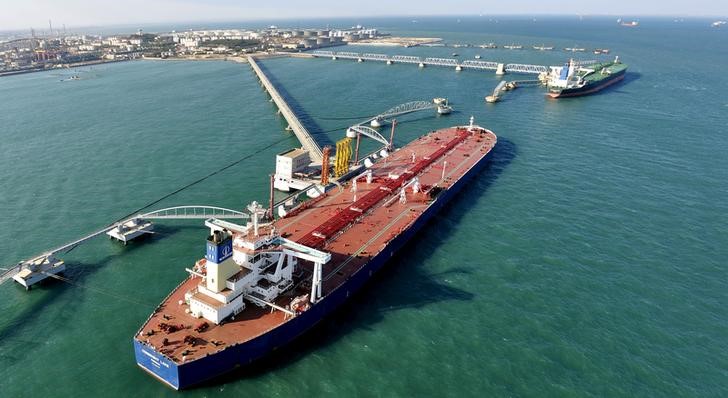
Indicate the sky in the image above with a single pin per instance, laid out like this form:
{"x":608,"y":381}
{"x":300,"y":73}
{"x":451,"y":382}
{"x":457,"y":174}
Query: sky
{"x":23,"y":14}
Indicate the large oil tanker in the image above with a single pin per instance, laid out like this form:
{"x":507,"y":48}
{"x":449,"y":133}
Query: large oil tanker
{"x":573,"y":79}
{"x":261,"y":285}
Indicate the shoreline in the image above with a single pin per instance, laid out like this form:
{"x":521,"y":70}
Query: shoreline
{"x":238,"y":59}
{"x":60,"y":67}
{"x":398,"y":41}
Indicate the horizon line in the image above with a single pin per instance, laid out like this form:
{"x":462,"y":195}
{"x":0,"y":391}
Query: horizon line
{"x":323,"y":18}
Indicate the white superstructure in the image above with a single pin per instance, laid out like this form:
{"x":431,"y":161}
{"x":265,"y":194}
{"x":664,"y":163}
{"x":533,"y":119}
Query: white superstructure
{"x":250,"y":263}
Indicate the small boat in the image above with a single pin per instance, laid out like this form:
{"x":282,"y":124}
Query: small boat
{"x":543,"y":48}
{"x":601,"y":51}
{"x":439,"y":101}
{"x":489,"y":45}
{"x":718,"y":24}
{"x":454,"y":54}
{"x":514,"y":47}
{"x":477,"y":57}
{"x":575,"y":49}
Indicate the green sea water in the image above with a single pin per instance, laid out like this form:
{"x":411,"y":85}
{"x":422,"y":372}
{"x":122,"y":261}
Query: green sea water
{"x":588,"y":259}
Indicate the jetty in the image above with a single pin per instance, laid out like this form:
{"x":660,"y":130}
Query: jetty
{"x":303,"y":135}
{"x":41,"y":266}
{"x":498,"y":67}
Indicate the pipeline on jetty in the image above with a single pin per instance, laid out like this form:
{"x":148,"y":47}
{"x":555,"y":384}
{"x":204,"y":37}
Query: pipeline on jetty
{"x":303,"y":135}
{"x":500,"y":68}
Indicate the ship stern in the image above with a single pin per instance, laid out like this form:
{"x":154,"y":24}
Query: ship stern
{"x":156,"y":364}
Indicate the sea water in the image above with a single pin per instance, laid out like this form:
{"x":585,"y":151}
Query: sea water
{"x":588,"y":259}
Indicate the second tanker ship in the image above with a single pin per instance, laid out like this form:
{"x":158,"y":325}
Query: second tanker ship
{"x":263,"y":284}
{"x":574,"y":80}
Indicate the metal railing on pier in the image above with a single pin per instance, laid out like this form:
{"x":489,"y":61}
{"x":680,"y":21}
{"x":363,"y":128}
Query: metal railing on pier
{"x":432,"y":61}
{"x":308,"y":142}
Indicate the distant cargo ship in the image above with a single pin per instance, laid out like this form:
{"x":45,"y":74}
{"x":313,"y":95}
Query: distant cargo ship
{"x":263,"y":284}
{"x":630,"y":24}
{"x":574,"y":80}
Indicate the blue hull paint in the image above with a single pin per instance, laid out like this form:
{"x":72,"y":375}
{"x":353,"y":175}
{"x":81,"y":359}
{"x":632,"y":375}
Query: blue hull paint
{"x":197,"y":371}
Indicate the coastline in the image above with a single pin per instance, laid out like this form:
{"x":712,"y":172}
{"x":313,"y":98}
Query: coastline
{"x":397,"y":41}
{"x":239,"y":59}
{"x":64,"y":66}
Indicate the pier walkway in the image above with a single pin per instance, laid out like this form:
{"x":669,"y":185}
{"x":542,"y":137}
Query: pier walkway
{"x":308,"y":142}
{"x":179,"y":212}
{"x":429,"y":61}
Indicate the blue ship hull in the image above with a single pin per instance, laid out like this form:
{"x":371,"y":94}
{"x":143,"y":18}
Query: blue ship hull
{"x":197,"y":371}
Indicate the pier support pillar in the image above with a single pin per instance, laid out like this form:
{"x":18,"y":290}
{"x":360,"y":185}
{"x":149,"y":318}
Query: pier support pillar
{"x":500,"y":70}
{"x":389,"y":62}
{"x":334,"y":58}
{"x":422,"y":64}
{"x":458,"y":68}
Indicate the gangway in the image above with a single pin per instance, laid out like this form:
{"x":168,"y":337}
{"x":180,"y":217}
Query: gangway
{"x":401,"y":109}
{"x":407,"y":107}
{"x":192,"y":212}
{"x":359,"y":129}
{"x":178,"y":212}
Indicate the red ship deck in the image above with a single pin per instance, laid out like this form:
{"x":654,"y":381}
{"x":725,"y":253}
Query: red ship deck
{"x":350,"y":250}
